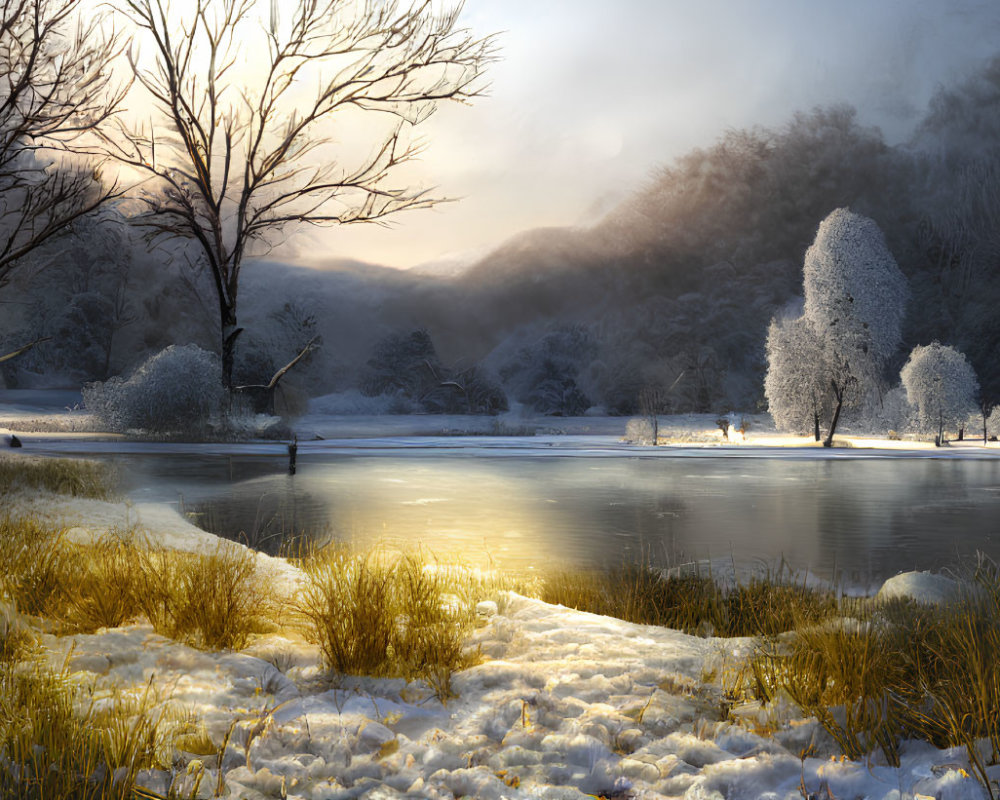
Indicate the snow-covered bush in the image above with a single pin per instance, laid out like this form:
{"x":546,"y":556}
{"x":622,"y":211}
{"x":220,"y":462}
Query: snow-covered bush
{"x":641,"y":430}
{"x":941,"y":384}
{"x":894,"y":413}
{"x":178,"y":390}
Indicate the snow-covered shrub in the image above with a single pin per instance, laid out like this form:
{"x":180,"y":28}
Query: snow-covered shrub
{"x":893,"y":413}
{"x":178,"y":390}
{"x":640,"y":430}
{"x":993,"y":423}
{"x":942,"y":385}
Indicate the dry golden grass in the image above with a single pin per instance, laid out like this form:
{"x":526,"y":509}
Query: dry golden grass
{"x":694,"y":603}
{"x":899,"y":671}
{"x":57,"y":742}
{"x":214,"y":601}
{"x":76,"y":477}
{"x":56,"y":739}
{"x":391,"y":615}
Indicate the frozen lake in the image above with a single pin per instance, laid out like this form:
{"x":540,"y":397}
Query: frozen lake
{"x":578,"y":500}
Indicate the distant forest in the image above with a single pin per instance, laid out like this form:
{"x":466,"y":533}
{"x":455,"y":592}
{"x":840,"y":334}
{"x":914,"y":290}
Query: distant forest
{"x":663,"y":304}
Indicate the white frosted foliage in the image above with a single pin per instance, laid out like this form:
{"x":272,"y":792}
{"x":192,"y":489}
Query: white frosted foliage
{"x":834,"y":355}
{"x":796,"y":384}
{"x":941,"y":384}
{"x":177,"y":390}
{"x":854,"y":292}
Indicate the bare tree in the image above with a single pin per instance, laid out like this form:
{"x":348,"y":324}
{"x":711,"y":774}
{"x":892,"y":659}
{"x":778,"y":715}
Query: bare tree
{"x":56,"y":90}
{"x":242,"y":150}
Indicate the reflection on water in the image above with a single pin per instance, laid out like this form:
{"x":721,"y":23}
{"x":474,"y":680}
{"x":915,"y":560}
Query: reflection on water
{"x":862,"y":518}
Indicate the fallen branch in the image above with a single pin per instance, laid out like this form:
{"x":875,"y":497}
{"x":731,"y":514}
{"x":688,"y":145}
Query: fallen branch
{"x":25,"y":349}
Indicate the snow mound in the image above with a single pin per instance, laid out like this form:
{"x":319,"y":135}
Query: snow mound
{"x":921,"y":587}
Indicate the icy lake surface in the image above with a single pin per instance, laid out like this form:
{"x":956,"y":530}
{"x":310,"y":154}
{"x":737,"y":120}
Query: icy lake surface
{"x":576,"y":500}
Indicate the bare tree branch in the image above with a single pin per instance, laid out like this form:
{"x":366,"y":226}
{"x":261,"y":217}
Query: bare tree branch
{"x":231,"y":164}
{"x":22,"y":350}
{"x":56,"y":92}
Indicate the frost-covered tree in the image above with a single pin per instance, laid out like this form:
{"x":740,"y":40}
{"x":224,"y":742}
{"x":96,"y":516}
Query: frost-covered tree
{"x":941,"y":384}
{"x":993,"y":422}
{"x":855,"y":296}
{"x":406,"y":365}
{"x":893,"y":414}
{"x":544,"y":374}
{"x":797,"y":384}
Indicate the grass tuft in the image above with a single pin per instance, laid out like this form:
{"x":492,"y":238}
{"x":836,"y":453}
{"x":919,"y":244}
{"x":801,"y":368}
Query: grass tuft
{"x":899,"y":671}
{"x":389,"y":615}
{"x":215,"y":602}
{"x":57,"y":742}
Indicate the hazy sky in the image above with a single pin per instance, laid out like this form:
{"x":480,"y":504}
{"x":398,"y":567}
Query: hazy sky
{"x":592,"y":94}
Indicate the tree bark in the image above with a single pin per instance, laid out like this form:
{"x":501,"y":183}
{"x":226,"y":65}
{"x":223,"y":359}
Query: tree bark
{"x":230,"y":333}
{"x":839,"y":394}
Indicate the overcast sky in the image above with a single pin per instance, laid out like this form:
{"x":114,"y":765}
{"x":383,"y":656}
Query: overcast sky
{"x":592,"y":94}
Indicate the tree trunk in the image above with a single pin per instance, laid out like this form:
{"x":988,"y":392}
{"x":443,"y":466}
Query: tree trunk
{"x":836,"y":419}
{"x":230,"y":333}
{"x":816,"y":425}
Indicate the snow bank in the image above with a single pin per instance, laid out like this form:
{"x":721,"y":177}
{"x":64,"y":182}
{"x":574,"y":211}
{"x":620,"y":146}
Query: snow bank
{"x":155,"y":524}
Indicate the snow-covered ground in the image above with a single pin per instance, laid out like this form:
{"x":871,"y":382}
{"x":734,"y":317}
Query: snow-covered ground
{"x":564,"y":704}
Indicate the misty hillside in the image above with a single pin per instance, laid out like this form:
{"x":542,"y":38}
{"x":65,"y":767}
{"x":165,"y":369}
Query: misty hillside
{"x":667,"y":298}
